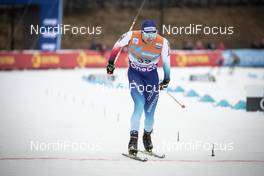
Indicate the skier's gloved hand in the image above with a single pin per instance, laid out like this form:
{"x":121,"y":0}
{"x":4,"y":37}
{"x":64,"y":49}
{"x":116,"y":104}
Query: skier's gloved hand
{"x":164,"y":84}
{"x":110,"y":67}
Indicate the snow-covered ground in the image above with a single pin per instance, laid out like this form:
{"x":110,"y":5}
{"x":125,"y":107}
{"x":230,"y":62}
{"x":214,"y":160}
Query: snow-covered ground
{"x":53,"y":122}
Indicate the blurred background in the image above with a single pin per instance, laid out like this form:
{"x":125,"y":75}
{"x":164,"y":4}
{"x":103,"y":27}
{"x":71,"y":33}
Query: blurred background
{"x":115,"y":18}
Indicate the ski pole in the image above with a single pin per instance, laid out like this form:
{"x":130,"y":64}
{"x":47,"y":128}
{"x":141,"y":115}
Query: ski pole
{"x":131,"y":27}
{"x":182,"y":105}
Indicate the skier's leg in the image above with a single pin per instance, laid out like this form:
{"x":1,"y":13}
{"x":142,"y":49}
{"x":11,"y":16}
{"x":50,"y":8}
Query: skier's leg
{"x":138,"y":109}
{"x":151,"y":99}
{"x":149,"y":108}
{"x":135,"y":122}
{"x":138,"y":97}
{"x":135,"y":81}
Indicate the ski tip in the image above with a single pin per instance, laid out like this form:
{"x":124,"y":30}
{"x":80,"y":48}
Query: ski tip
{"x":153,"y":154}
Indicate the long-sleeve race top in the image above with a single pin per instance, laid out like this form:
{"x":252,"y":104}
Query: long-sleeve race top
{"x":144,"y":56}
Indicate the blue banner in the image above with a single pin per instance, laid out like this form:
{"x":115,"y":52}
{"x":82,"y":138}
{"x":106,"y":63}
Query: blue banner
{"x":244,"y":57}
{"x":50,"y":16}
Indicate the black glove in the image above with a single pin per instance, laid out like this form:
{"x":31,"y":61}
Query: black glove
{"x":110,"y":67}
{"x":164,"y":84}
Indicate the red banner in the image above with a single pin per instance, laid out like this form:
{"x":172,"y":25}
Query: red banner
{"x":86,"y":58}
{"x":195,"y":58}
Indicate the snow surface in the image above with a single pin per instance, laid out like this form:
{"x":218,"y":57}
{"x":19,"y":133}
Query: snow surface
{"x":49,"y":107}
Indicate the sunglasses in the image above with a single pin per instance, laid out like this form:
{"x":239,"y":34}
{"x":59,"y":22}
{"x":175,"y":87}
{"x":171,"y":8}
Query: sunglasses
{"x":149,"y":35}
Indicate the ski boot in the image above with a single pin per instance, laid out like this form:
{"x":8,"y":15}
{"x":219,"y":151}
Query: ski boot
{"x":147,"y":141}
{"x":133,"y":143}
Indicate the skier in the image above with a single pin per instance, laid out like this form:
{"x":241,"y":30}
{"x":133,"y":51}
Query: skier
{"x":145,"y":47}
{"x":235,"y":61}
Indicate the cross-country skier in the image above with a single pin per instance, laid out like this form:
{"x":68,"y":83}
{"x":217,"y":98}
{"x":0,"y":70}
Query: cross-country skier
{"x":145,"y":48}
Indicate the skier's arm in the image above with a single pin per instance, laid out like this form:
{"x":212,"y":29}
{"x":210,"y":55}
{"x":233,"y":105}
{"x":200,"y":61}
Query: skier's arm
{"x":122,"y":41}
{"x":165,"y":55}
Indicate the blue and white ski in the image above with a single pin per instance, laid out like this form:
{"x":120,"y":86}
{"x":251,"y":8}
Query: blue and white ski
{"x":152,"y":154}
{"x":135,"y":157}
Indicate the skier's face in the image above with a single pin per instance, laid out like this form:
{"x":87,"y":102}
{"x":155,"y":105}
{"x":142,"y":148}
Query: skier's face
{"x":149,"y":36}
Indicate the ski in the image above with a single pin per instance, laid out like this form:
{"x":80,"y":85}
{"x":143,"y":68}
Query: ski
{"x":152,"y":154}
{"x":135,"y":157}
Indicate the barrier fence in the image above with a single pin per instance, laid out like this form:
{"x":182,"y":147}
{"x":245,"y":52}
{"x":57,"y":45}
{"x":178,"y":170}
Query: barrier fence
{"x":67,"y":59}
